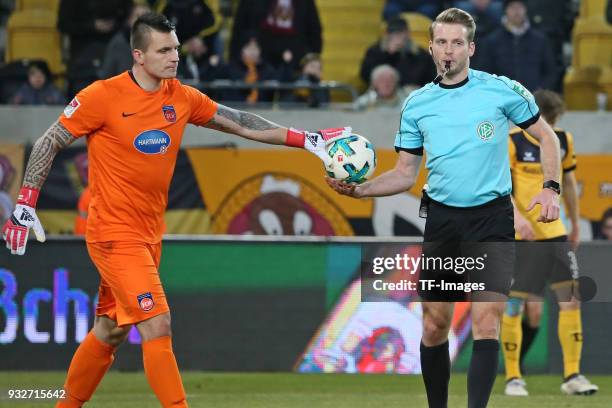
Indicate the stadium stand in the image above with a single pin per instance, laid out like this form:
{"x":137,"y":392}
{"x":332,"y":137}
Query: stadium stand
{"x":51,"y":5}
{"x":342,"y":52}
{"x":592,"y":58}
{"x":419,"y":28}
{"x":32,"y":34}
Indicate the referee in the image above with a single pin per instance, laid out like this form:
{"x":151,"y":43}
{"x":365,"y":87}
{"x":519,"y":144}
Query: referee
{"x":461,"y":121}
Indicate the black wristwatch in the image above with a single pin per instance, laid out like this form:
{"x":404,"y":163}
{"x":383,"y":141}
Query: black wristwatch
{"x":553,"y":185}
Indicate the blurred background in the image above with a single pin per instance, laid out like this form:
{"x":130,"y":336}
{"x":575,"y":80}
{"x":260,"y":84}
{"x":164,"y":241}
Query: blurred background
{"x":261,"y":260}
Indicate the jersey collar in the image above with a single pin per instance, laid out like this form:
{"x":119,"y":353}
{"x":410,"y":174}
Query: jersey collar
{"x":457,"y":85}
{"x":133,"y":78}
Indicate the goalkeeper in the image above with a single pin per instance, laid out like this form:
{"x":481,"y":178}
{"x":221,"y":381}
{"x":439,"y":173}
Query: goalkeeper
{"x":134,"y":123}
{"x":461,"y":121}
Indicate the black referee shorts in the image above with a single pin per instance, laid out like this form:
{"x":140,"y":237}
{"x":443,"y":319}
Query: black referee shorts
{"x":468,"y":252}
{"x":548,"y":261}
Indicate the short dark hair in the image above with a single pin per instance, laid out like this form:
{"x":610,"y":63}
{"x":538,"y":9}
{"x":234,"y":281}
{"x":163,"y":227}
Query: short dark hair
{"x":455,"y":16}
{"x":397,"y":25}
{"x":42,"y":66}
{"x":141,"y":30}
{"x":508,"y":2}
{"x":550,"y":103}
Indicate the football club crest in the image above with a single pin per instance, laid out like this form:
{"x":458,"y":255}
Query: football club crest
{"x":169,"y":113}
{"x":145,"y":301}
{"x":486,"y":130}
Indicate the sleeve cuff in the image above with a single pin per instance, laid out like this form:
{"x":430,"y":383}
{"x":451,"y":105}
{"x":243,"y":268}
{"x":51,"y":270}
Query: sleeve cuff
{"x":62,"y":121}
{"x":527,"y":123}
{"x":417,"y":151}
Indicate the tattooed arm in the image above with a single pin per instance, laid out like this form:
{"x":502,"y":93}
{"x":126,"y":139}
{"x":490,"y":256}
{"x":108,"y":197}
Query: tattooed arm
{"x":46,"y":147}
{"x":24,"y":217}
{"x":254,"y":127}
{"x":247,"y":125}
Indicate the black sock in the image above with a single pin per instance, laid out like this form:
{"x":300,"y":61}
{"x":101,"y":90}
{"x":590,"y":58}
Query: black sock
{"x":482,"y":372}
{"x":435,"y":366}
{"x":529,"y":335}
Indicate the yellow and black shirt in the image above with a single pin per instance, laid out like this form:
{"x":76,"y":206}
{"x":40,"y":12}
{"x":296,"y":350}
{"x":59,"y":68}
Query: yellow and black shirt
{"x":527,"y":176}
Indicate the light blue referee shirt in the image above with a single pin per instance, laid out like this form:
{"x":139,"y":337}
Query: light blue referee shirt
{"x":464,"y":131}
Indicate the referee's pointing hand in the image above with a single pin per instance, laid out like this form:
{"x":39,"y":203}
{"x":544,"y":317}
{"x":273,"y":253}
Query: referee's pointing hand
{"x":549,"y":202}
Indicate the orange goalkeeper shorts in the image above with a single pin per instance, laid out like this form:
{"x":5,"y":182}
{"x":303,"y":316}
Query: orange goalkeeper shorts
{"x":130,"y":289}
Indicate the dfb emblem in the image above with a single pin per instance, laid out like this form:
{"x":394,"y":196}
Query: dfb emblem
{"x":145,"y":300}
{"x":169,"y":113}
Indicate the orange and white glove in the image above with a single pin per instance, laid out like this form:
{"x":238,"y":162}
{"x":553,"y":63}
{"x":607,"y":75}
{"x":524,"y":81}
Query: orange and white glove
{"x":16,"y":230}
{"x":316,"y":142}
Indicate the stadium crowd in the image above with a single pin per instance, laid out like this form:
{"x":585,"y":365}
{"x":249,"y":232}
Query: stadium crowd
{"x":253,"y":41}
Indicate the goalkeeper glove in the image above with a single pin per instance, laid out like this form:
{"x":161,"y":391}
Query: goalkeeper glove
{"x":316,"y":142}
{"x":17,"y":228}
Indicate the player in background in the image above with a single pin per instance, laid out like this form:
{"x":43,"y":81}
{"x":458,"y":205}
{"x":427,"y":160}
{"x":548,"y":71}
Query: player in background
{"x":134,"y":123}
{"x":551,"y":259}
{"x":461,"y":121}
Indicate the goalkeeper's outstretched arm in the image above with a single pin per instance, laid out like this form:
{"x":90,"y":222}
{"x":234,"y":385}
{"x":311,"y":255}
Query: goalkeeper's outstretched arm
{"x":254,"y":127}
{"x":401,"y":178}
{"x":247,"y":125}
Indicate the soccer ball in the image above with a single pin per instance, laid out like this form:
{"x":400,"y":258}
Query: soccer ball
{"x":354,"y":159}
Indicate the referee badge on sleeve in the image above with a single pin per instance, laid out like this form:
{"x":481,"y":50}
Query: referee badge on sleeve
{"x":521,"y":90}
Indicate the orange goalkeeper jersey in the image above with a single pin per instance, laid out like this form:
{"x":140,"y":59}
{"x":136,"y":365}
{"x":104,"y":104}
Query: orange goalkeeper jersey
{"x":133,"y":139}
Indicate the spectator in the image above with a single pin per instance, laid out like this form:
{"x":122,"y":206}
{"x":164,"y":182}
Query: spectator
{"x":6,"y":8}
{"x":555,"y":19}
{"x":281,"y":25}
{"x":606,"y":225}
{"x":609,"y":12}
{"x":197,"y":30}
{"x":394,"y":8}
{"x":118,"y":57}
{"x":251,"y":68}
{"x":384,"y":90}
{"x":487,"y":15}
{"x":311,"y":74}
{"x":518,"y":51}
{"x":194,"y":18}
{"x":197,"y":63}
{"x":89,"y":26}
{"x":39,"y":89}
{"x":398,"y":50}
